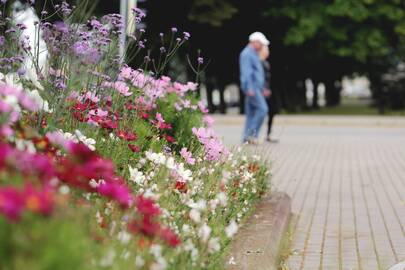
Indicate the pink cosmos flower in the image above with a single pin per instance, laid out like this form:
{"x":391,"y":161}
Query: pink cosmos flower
{"x":98,"y":112}
{"x":161,"y":123}
{"x":91,"y":96}
{"x":187,"y":156}
{"x":213,"y":147}
{"x":57,"y":138}
{"x":122,"y":88}
{"x":126,"y":73}
{"x":208,"y":120}
{"x":23,"y":99}
{"x":178,"y":107}
{"x":202,"y":107}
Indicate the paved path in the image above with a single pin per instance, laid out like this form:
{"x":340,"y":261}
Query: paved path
{"x":346,"y":177}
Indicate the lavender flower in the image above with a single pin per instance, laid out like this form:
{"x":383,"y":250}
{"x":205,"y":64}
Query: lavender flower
{"x":200,"y":60}
{"x":186,"y":35}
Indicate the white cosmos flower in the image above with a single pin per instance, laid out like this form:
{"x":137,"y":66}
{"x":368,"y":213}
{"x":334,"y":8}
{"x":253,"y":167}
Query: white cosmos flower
{"x":136,"y":176}
{"x":204,"y":233}
{"x":108,"y":259}
{"x":36,"y":97}
{"x":124,"y":237}
{"x":24,"y":145}
{"x":184,"y":173}
{"x":214,"y":245}
{"x":157,"y":158}
{"x":222,"y":198}
{"x":195,"y":215}
{"x":170,"y":163}
{"x":79,"y":137}
{"x":186,"y":228}
{"x":156,"y":250}
{"x":139,"y":262}
{"x":213,"y":204}
{"x":201,"y":205}
{"x":160,"y":264}
{"x":231,"y":229}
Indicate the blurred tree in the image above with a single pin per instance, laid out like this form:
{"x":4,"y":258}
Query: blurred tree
{"x":212,"y":12}
{"x":341,"y":37}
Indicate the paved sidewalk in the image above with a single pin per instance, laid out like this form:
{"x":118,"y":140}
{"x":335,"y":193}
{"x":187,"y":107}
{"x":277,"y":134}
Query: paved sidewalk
{"x":346,"y":177}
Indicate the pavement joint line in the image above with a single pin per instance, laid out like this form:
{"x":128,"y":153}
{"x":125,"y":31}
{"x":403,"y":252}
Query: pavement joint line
{"x":325,"y":225}
{"x":389,"y":197}
{"x":308,"y":233}
{"x":400,"y":161}
{"x":381,"y":211}
{"x":355,"y":222}
{"x":304,"y":199}
{"x":368,"y":217}
{"x":288,"y":183}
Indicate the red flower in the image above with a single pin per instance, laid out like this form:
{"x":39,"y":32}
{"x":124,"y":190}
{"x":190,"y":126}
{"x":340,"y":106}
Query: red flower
{"x":181,"y":186}
{"x":169,"y":237}
{"x":147,"y":226}
{"x":127,"y":135}
{"x":109,"y":124}
{"x":134,"y":148}
{"x":146,"y":206}
{"x":144,"y":115}
{"x":169,"y":138}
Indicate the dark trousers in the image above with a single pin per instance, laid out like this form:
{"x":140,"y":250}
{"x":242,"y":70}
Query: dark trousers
{"x":270,"y":122}
{"x":272,"y":112}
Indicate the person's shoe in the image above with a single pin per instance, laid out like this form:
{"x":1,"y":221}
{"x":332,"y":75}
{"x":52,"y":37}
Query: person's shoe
{"x":270,"y":140}
{"x":251,"y":141}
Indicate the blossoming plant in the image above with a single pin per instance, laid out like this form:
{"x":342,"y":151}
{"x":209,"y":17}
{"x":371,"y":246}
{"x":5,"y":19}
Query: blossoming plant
{"x":107,"y":166}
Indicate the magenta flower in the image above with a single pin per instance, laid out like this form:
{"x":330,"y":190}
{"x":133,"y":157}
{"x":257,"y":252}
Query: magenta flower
{"x":11,"y":203}
{"x":118,"y":191}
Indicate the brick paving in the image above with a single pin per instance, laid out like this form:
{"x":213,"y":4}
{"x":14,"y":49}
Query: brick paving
{"x":346,"y":176}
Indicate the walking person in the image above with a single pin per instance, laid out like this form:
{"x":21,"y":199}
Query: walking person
{"x":253,"y":86}
{"x":272,"y":98}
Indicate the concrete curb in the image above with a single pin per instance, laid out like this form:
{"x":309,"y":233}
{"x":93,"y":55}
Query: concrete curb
{"x":398,"y":266}
{"x":257,"y":244}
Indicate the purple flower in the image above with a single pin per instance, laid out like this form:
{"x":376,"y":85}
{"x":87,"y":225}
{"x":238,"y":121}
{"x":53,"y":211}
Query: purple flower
{"x":60,"y":27}
{"x":21,"y":71}
{"x":200,"y":60}
{"x":186,"y":35}
{"x":174,"y":29}
{"x":80,"y":48}
{"x":2,"y":40}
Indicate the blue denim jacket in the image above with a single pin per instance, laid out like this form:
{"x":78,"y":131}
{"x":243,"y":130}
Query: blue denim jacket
{"x":251,"y":71}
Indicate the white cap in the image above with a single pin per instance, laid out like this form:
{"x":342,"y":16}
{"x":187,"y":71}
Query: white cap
{"x":258,"y":36}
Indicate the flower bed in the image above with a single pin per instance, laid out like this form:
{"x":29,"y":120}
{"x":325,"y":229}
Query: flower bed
{"x":106,"y":167}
